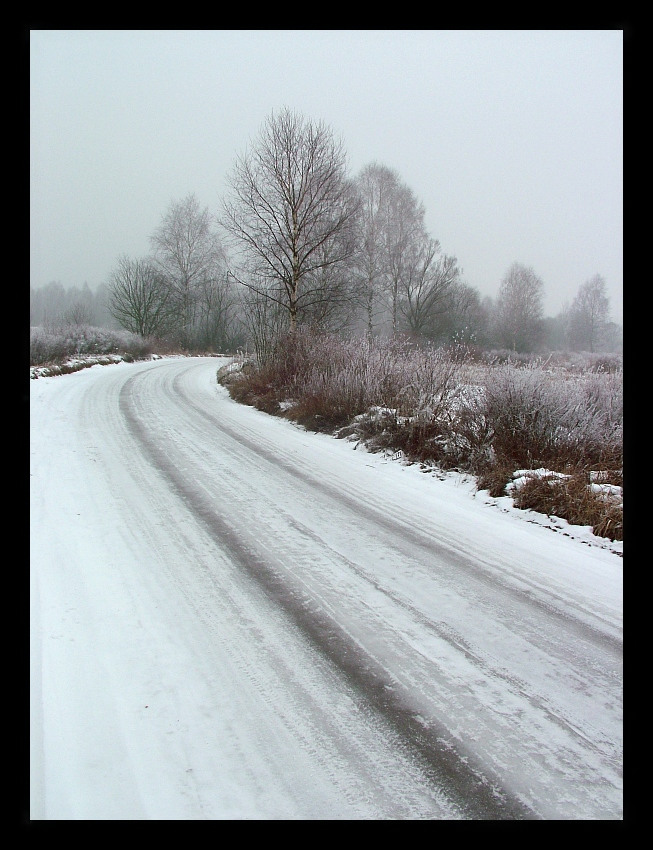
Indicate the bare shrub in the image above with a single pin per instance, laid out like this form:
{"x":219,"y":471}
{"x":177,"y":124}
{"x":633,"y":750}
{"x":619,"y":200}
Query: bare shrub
{"x":253,"y":385}
{"x":525,"y":416}
{"x":341,"y":377}
{"x":328,"y":381}
{"x":599,"y":418}
{"x":611,"y":363}
{"x":430,"y":383}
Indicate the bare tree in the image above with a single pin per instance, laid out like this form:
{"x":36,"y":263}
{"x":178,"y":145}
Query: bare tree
{"x":139,"y":297}
{"x":266,"y":320}
{"x":426,"y":283}
{"x":291,"y":211}
{"x":188,"y":252}
{"x":46,"y":304}
{"x":215,"y":319}
{"x":81,"y":306}
{"x":467,"y":318}
{"x":405,"y":236}
{"x":391,"y":226}
{"x":103,"y":315}
{"x":589,"y":315}
{"x":375,"y":185}
{"x":79,"y":314}
{"x":518,"y":312}
{"x":329,"y":293}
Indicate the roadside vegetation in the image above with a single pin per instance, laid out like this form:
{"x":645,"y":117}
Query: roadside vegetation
{"x":546,"y":431}
{"x":71,"y":347}
{"x":362,"y":326}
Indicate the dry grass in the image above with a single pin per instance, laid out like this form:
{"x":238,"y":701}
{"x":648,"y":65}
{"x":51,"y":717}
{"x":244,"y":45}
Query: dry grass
{"x":495,"y":478}
{"x":572,"y":499}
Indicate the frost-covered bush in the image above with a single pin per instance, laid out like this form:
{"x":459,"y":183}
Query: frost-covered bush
{"x":331,"y":380}
{"x":445,"y":408}
{"x":54,"y":345}
{"x":45,"y":346}
{"x":523,"y":412}
{"x":507,"y":357}
{"x":532,"y":417}
{"x":440,"y":405}
{"x":327,"y":382}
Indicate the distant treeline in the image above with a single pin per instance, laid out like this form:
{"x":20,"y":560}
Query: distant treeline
{"x":53,"y":306}
{"x":299,"y":243}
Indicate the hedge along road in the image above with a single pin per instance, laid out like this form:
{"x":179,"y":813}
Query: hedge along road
{"x":232,"y":618}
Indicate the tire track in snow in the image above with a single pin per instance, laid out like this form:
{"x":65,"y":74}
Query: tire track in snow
{"x":406,"y":528}
{"x":478,"y":797}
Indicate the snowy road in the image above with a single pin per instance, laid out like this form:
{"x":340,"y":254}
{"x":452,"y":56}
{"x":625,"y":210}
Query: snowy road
{"x":234,"y":619}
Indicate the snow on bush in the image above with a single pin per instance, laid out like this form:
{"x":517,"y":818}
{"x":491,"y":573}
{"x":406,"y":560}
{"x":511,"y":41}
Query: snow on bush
{"x":532,"y":416}
{"x":54,"y":346}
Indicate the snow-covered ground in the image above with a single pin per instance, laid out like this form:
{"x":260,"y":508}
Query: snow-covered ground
{"x":232,"y":618}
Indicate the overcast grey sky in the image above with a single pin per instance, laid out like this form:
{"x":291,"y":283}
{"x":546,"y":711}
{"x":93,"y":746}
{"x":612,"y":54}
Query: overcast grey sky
{"x":511,"y":139}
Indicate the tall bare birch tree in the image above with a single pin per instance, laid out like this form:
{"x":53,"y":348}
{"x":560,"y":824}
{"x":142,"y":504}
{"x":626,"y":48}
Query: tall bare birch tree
{"x":391,"y":229}
{"x":375,"y":185}
{"x":405,"y":233}
{"x":290,"y":211}
{"x":188,"y":252}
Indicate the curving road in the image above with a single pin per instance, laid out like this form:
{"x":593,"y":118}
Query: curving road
{"x":234,"y":619}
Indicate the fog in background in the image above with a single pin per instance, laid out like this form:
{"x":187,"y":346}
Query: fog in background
{"x":511,"y":139}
